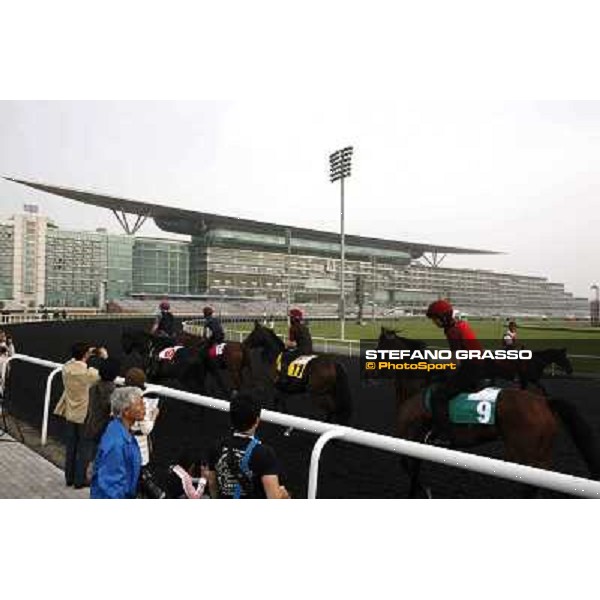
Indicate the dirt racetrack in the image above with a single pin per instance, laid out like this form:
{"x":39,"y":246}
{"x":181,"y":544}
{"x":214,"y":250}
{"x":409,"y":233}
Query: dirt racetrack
{"x":347,"y":471}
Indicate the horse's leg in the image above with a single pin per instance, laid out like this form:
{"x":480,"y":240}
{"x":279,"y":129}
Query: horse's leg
{"x":233,"y":362}
{"x":324,"y":401}
{"x":413,"y":468}
{"x":528,"y":430}
{"x":413,"y":423}
{"x":280,"y":405}
{"x":218,"y":377}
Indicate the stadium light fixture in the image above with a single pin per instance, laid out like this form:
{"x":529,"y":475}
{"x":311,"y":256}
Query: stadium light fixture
{"x":340,"y":168}
{"x":595,"y":306}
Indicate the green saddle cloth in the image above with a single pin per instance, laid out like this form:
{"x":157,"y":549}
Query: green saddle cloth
{"x":472,"y":408}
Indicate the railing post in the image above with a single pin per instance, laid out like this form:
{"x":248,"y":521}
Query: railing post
{"x":313,"y":472}
{"x":47,"y":394}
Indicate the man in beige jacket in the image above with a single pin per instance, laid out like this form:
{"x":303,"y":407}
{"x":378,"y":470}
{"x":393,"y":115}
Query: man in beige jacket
{"x":73,"y":405}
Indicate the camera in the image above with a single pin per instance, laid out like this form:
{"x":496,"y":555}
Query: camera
{"x":149,"y":488}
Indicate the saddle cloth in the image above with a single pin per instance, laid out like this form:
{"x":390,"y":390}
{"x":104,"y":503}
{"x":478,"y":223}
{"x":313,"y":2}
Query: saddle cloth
{"x":169,"y":353}
{"x":473,"y":408}
{"x":297,"y":368}
{"x":216,"y":350}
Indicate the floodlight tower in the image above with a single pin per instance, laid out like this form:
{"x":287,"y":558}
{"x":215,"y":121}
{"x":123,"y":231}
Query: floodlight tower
{"x":595,"y":306}
{"x":339,"y":163}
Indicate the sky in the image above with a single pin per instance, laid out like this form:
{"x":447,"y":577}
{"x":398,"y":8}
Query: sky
{"x":522,"y":178}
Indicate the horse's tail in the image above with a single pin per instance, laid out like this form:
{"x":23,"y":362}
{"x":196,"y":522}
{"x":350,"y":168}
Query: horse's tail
{"x":580,"y":431}
{"x":343,"y":395}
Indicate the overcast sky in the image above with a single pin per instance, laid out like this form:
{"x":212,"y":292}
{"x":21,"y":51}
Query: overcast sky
{"x":520,"y":178}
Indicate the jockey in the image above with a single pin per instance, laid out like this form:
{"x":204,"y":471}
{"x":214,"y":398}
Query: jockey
{"x":299,"y":339}
{"x":212,"y":334}
{"x":460,"y":336}
{"x":213,"y":330}
{"x":298,"y":343}
{"x":164,"y":324}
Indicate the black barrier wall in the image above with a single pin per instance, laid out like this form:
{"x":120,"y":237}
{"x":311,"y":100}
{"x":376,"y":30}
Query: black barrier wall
{"x":347,"y":471}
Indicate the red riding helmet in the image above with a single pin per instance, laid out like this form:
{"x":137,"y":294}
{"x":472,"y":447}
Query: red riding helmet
{"x":296,"y":313}
{"x":164,"y":305}
{"x":440,"y":309}
{"x":207,"y":311}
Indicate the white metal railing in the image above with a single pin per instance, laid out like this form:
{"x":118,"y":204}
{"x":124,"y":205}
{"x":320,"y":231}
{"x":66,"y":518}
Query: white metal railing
{"x":568,"y":484}
{"x":17,"y":318}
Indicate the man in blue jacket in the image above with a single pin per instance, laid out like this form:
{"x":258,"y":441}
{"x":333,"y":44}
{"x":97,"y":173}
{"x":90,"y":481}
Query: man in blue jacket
{"x":118,"y":461}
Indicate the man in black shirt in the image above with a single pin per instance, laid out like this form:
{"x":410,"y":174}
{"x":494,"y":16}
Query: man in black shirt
{"x":241,"y":466}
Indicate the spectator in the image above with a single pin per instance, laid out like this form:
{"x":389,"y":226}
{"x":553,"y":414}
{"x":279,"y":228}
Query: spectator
{"x":240,"y":466}
{"x":73,"y":406}
{"x":118,"y":461}
{"x":509,"y":340}
{"x":6,"y":341}
{"x":187,"y":479}
{"x":142,"y":429}
{"x":98,"y":413}
{"x":3,"y":370}
{"x":7,"y":349}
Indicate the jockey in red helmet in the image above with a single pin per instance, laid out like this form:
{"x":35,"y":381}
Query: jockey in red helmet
{"x":466,"y":378}
{"x":459,"y":334}
{"x":299,"y":338}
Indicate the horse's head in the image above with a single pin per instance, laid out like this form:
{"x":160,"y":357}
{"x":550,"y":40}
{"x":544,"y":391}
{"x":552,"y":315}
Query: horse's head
{"x":264,"y":338}
{"x":387,"y":339}
{"x":135,"y":340}
{"x":127,"y":341}
{"x":188,"y":340}
{"x":562,"y":360}
{"x":390,"y":340}
{"x":257,"y":337}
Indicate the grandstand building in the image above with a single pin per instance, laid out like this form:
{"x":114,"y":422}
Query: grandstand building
{"x":244,"y":261}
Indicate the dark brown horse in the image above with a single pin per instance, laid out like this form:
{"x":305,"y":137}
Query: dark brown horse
{"x":190,"y":364}
{"x":529,"y":372}
{"x":526,"y":422}
{"x":233,"y":358}
{"x":326,"y":378}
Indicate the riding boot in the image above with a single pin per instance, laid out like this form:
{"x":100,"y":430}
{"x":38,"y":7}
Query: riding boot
{"x":282,"y":378}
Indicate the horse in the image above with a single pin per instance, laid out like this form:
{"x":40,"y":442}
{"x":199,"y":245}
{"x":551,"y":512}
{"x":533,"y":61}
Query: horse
{"x":233,"y":357}
{"x":183,"y":366}
{"x":526,"y":422}
{"x":326,"y":380}
{"x":143,"y":350}
{"x":529,"y":371}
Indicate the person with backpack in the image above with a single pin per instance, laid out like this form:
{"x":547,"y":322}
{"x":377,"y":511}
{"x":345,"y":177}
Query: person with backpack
{"x":240,"y":465}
